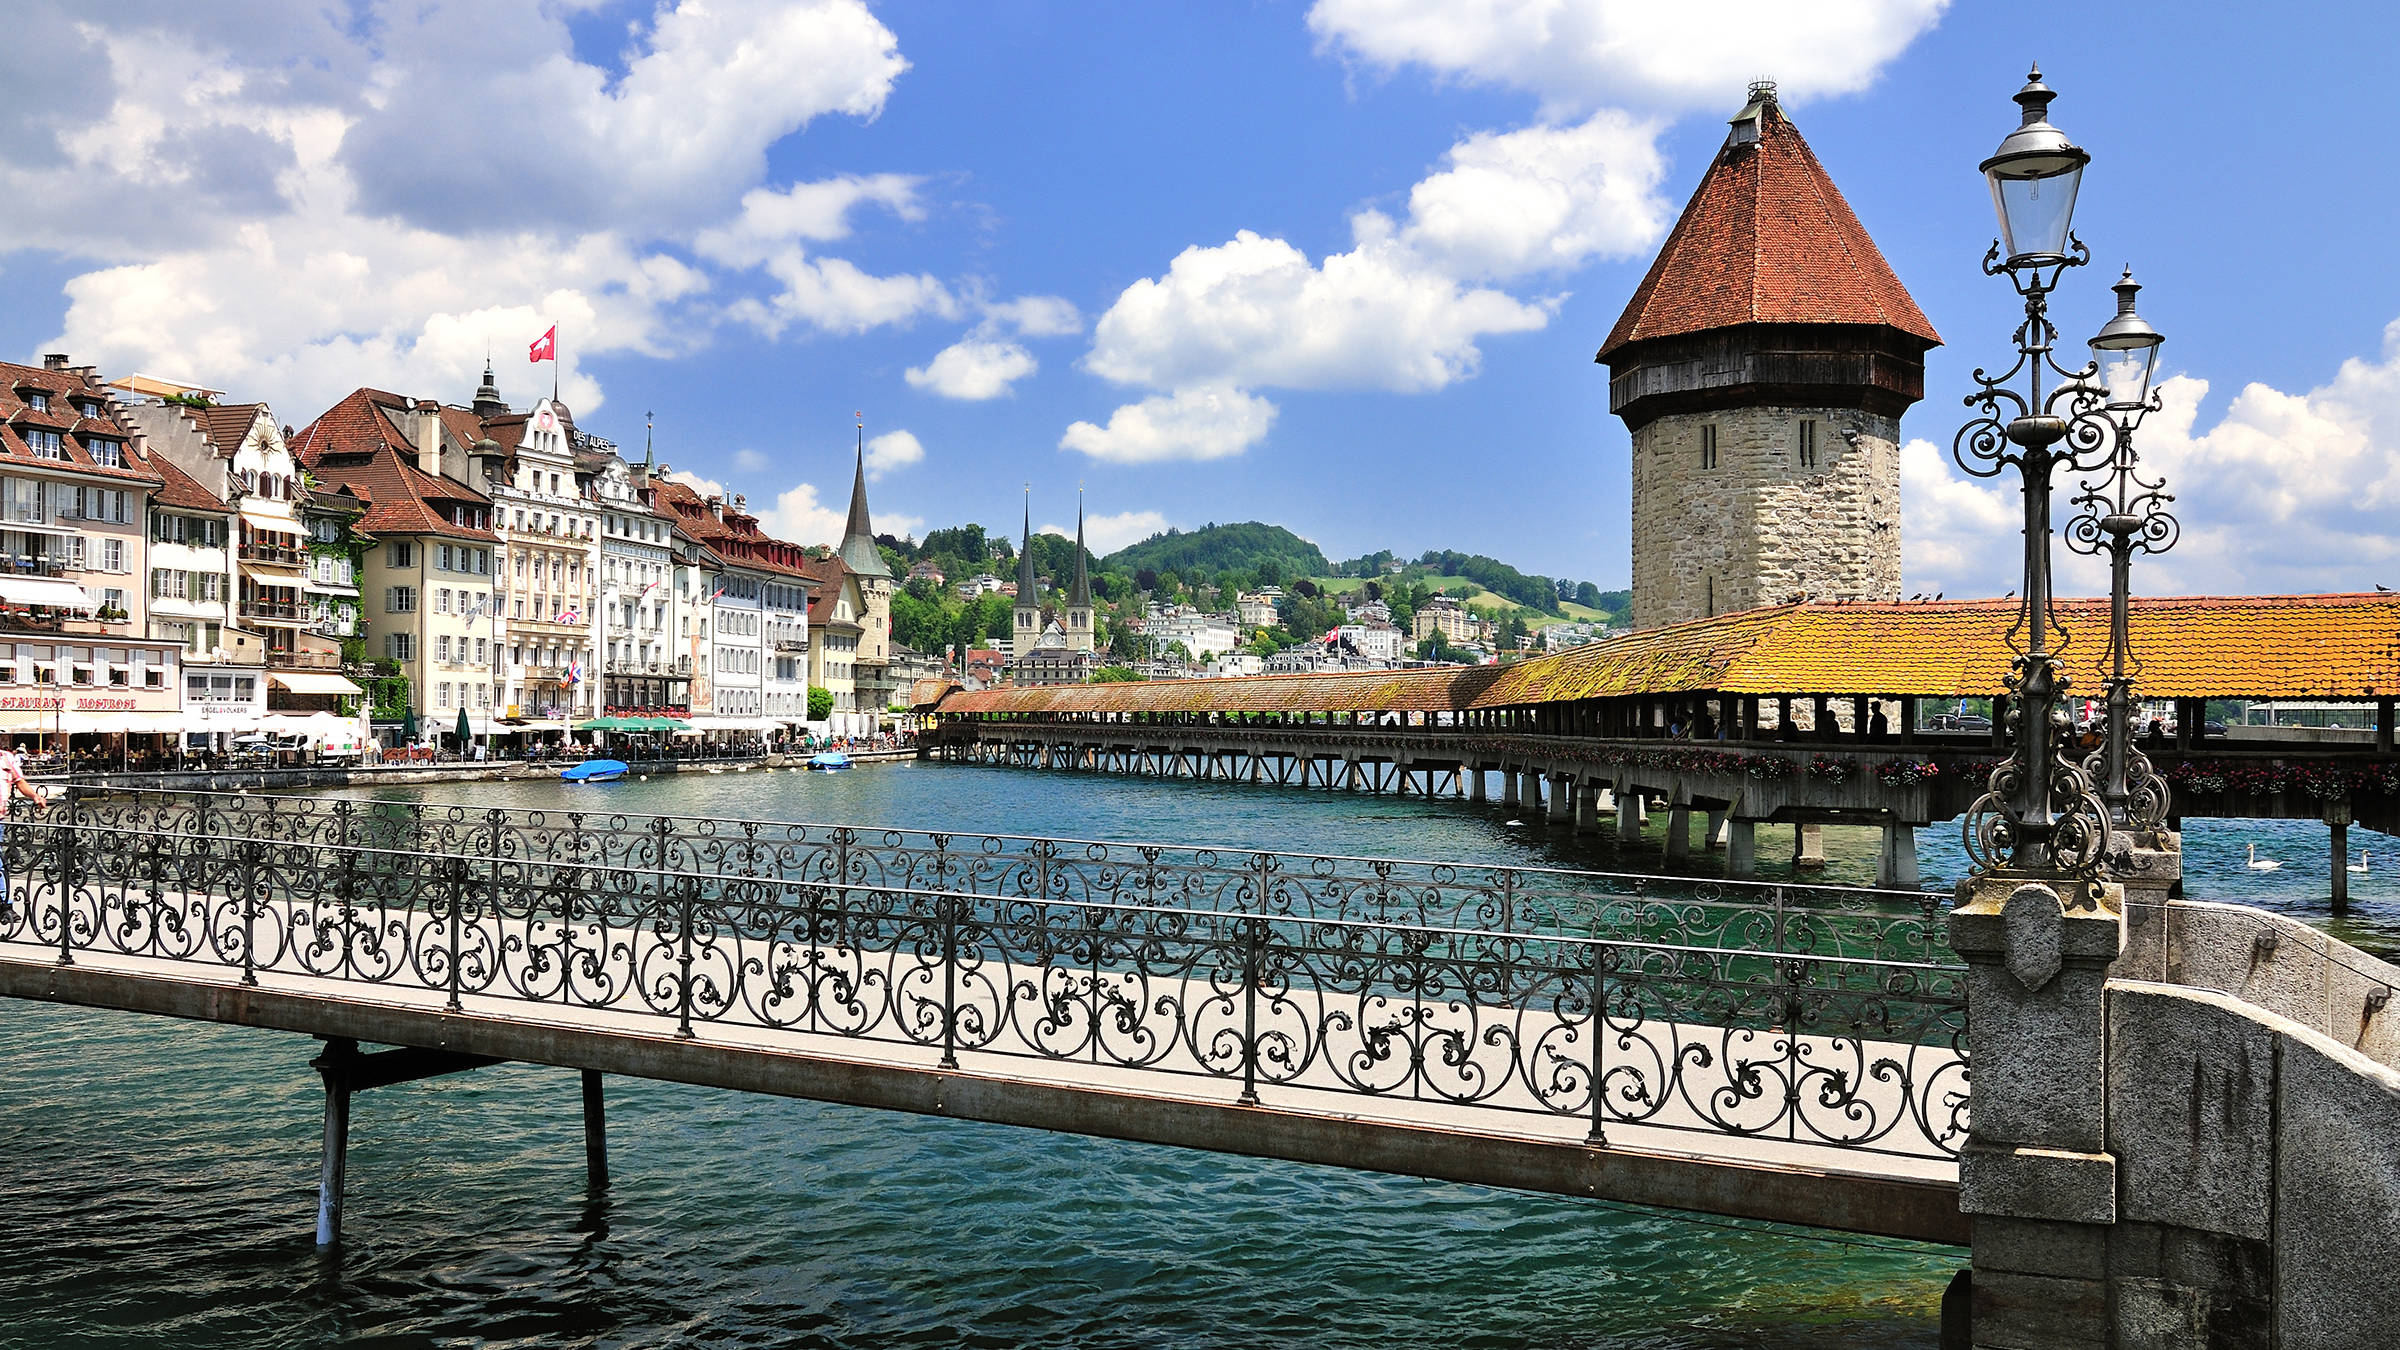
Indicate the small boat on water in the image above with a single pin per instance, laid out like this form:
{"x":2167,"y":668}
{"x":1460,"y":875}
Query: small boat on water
{"x":595,"y":771}
{"x":829,"y":761}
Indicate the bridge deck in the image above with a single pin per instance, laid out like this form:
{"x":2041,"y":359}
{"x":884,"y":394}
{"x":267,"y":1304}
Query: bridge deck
{"x":1743,"y":1176}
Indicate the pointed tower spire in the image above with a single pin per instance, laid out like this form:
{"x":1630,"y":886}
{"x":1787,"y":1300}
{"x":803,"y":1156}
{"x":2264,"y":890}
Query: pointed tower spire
{"x":1081,"y":596}
{"x":859,"y":553}
{"x":1028,"y":590}
{"x":487,"y":395}
{"x":649,"y":452}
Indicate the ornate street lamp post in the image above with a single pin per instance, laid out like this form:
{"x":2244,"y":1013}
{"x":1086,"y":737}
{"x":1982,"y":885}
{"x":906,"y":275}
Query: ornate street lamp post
{"x":2125,"y":512}
{"x":2038,"y":814}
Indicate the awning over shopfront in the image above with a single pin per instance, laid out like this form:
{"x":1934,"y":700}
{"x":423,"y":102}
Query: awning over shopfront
{"x":260,"y":518}
{"x":29,"y":527}
{"x":274,"y":573}
{"x":303,"y":682}
{"x":49,"y":591}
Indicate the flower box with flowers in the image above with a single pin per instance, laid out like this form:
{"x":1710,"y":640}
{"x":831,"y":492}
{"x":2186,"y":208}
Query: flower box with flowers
{"x":1829,"y":769}
{"x":1906,"y":772}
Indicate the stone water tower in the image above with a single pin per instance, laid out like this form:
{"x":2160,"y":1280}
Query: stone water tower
{"x":1762,"y":367}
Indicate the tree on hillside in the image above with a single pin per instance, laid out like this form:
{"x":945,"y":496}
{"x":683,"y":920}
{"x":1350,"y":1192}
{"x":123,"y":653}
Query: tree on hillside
{"x":1435,"y":647}
{"x":1587,"y":595}
{"x":1117,"y":675}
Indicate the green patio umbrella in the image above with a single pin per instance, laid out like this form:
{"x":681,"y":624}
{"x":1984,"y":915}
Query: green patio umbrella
{"x":408,"y":727}
{"x":464,"y":735}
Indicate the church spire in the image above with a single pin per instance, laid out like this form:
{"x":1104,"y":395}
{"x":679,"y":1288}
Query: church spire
{"x":1028,"y":591}
{"x":859,"y":553}
{"x":1081,"y":596}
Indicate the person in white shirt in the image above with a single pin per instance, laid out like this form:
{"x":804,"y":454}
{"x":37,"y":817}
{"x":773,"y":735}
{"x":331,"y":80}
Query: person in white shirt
{"x":13,"y":784}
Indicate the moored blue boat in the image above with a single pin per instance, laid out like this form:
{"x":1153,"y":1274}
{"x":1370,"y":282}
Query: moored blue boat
{"x":829,"y":761}
{"x":595,"y":771}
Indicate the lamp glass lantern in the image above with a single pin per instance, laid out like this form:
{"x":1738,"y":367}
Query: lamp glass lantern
{"x":2126,"y":349}
{"x":2034,"y":177}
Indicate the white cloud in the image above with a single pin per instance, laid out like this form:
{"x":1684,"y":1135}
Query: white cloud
{"x":833,"y":295}
{"x":336,"y":217}
{"x":2283,"y":493}
{"x":1106,"y":534}
{"x":1254,"y":312}
{"x":891,"y":450}
{"x":1546,"y":198}
{"x":818,"y":212}
{"x":1209,"y":422}
{"x":1580,"y":54}
{"x":706,"y":487}
{"x":749,"y":461}
{"x":973,"y":369}
{"x":705,"y":90}
{"x":1036,"y":316}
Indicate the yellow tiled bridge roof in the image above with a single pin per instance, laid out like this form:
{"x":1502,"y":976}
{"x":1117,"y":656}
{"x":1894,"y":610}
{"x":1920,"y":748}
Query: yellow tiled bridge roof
{"x":2286,"y":647}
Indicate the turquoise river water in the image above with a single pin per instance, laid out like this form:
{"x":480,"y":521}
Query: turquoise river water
{"x":157,"y":1178}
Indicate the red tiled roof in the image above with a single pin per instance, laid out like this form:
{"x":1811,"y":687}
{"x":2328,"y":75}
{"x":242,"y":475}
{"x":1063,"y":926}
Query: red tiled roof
{"x":1767,"y":238}
{"x":76,"y":431}
{"x":736,"y":537}
{"x":356,"y":444}
{"x":224,"y":425}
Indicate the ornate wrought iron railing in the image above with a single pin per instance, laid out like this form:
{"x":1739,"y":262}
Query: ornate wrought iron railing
{"x":1812,"y":1015}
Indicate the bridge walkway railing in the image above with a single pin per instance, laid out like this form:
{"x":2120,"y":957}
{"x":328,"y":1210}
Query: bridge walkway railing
{"x":1827,"y":1022}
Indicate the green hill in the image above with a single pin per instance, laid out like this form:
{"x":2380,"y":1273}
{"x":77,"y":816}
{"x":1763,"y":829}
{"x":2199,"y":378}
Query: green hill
{"x":1221,"y":548}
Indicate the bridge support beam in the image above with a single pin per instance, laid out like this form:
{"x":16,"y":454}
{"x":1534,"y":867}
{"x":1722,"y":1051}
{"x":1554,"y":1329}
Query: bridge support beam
{"x":1474,"y":776}
{"x":1562,"y":799}
{"x":595,"y":1132}
{"x":1741,"y":848}
{"x":1713,"y":836}
{"x":1630,"y":816}
{"x":1508,"y":787}
{"x":1896,"y":863}
{"x":1679,"y":830}
{"x":346,"y":1072}
{"x":1587,"y":806}
{"x":1808,"y":847}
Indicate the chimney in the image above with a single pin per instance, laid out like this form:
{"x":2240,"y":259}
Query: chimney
{"x":55,"y":361}
{"x":740,"y":504}
{"x":716,"y":506}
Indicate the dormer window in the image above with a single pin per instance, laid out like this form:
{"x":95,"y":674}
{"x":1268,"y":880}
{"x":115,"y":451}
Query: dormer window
{"x":38,"y":401}
{"x":108,"y":454}
{"x":45,"y":443}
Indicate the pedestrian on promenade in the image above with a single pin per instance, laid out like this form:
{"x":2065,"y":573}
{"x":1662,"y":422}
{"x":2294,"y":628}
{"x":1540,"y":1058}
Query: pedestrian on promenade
{"x":13,"y":784}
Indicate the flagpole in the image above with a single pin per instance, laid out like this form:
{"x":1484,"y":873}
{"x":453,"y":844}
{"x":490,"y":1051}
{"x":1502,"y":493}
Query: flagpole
{"x":554,"y":363}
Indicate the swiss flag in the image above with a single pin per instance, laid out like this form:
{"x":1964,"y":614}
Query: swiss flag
{"x":545,"y":347}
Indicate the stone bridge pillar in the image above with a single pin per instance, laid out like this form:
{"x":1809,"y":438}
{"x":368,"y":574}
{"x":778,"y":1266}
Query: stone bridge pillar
{"x":2036,"y":1173}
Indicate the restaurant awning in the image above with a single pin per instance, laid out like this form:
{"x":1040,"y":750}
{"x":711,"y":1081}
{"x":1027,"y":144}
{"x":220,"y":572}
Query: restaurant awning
{"x":303,"y":682}
{"x":262,"y":519}
{"x":50,"y":591}
{"x":274,"y":573}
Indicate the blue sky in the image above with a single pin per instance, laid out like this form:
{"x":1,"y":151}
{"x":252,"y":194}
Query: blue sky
{"x":1340,"y":265}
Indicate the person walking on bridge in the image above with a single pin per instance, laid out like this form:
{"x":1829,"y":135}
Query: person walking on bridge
{"x":13,"y":784}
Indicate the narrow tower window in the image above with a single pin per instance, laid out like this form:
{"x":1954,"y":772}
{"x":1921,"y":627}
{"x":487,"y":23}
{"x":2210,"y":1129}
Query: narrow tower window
{"x":1708,"y":447}
{"x":1808,"y":445}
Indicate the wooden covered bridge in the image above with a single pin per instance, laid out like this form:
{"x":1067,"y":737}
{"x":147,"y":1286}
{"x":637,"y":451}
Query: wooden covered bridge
{"x":1800,"y":714}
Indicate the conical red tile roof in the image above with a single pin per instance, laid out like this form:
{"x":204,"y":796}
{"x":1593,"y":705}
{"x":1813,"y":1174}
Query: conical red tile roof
{"x":1767,"y":238}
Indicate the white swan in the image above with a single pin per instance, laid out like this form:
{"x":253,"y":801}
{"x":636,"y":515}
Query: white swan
{"x":2259,"y":864}
{"x":2361,"y":864}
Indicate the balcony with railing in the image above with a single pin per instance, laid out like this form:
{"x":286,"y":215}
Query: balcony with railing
{"x":791,"y":646}
{"x":273,"y":611}
{"x":33,"y":564}
{"x":273,"y":555}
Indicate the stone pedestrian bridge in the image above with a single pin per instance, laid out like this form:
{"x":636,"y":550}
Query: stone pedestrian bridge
{"x":2188,"y":1113}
